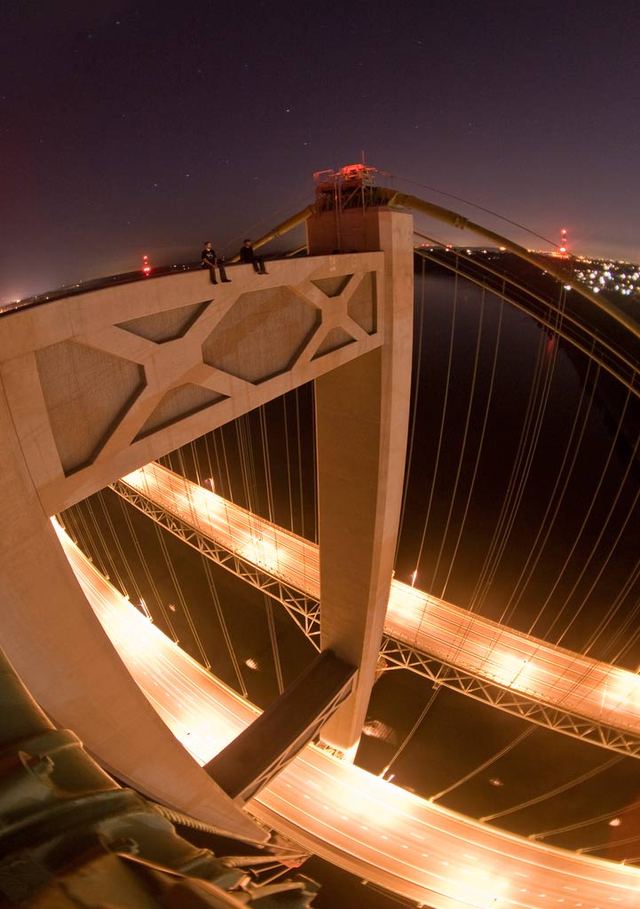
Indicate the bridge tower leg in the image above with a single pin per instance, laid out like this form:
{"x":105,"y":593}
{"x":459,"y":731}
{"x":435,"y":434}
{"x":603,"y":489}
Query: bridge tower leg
{"x":362,"y":411}
{"x":56,"y":641}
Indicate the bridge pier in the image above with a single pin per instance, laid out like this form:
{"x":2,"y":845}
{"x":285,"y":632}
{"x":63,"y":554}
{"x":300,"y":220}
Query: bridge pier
{"x":362,"y":411}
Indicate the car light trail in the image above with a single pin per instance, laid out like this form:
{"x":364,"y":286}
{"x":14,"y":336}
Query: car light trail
{"x":486,"y":649}
{"x":360,"y":822}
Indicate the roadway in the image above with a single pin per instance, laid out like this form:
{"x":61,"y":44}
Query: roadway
{"x":360,"y":822}
{"x":485,"y":649}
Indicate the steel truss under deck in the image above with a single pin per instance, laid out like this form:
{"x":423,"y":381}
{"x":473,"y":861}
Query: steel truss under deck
{"x":305,"y":611}
{"x":397,"y":655}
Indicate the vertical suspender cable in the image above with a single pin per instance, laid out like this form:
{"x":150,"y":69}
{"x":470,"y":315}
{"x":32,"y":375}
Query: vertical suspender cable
{"x":145,"y":568}
{"x":454,"y":493}
{"x":286,"y":445}
{"x":264,"y":439}
{"x":523,"y":444}
{"x":274,"y":642}
{"x":314,"y":474}
{"x":113,"y":572}
{"x":300,"y":483}
{"x":118,"y":545}
{"x":97,"y":535}
{"x":479,"y":449}
{"x":557,"y":790}
{"x":483,"y":766}
{"x":215,"y":599}
{"x":528,"y":568}
{"x":181,"y":598}
{"x":442,"y":425}
{"x":408,"y":737}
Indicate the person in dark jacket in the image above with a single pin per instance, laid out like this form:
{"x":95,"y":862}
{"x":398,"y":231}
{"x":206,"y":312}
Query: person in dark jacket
{"x":210,"y":260}
{"x":247,"y":256}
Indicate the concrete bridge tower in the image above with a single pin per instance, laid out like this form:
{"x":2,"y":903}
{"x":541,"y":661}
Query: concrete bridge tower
{"x":362,"y":411}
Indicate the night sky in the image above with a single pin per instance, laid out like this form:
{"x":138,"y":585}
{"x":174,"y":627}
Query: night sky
{"x":131,"y":128}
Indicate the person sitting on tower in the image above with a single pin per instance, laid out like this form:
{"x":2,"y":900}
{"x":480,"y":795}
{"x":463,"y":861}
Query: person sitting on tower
{"x":210,"y":260}
{"x":247,"y":256}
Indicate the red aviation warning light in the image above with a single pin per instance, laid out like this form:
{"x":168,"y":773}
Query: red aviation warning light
{"x":146,"y":268}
